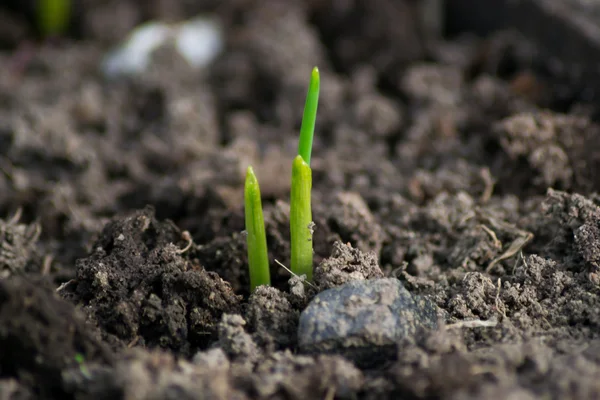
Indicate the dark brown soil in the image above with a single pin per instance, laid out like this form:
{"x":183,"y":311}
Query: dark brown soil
{"x":460,"y":165}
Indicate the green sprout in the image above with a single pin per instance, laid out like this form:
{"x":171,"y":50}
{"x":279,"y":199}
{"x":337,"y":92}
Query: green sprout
{"x":256,"y":239}
{"x":307,"y":129}
{"x":53,"y":16}
{"x":301,"y":219}
{"x":301,"y":223}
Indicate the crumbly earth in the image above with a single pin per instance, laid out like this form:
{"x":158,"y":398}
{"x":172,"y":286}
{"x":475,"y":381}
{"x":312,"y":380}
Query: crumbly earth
{"x":461,"y":166}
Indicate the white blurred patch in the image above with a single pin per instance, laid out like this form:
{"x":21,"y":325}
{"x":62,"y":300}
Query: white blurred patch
{"x":198,"y":41}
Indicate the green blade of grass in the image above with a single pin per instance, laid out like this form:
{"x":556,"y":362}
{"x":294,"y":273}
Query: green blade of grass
{"x":307,"y":129}
{"x":256,"y":239}
{"x":53,"y":16}
{"x":301,"y":219}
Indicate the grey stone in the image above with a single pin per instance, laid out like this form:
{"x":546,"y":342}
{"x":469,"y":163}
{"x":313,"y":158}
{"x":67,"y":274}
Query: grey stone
{"x":364,"y":320}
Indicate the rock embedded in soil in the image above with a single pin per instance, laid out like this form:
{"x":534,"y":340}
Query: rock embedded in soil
{"x":364,"y":320}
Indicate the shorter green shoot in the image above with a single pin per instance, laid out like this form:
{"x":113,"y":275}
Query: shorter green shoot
{"x":53,"y":16}
{"x":301,"y":223}
{"x":307,"y":129}
{"x":256,"y":239}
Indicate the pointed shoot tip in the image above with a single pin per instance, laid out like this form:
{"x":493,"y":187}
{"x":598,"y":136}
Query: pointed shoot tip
{"x":315,"y":79}
{"x":299,"y":161}
{"x":250,"y":176}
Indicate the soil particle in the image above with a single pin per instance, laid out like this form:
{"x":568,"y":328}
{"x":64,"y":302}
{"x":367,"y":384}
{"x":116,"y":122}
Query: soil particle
{"x":554,"y":147}
{"x":587,"y":241}
{"x":212,"y":359}
{"x":300,"y":291}
{"x":546,"y":294}
{"x":476,"y":247}
{"x":228,"y":256}
{"x":138,"y":287}
{"x":434,"y":84}
{"x":275,"y":47}
{"x":17,"y":245}
{"x":40,"y":335}
{"x":539,"y":295}
{"x":352,"y":220}
{"x":236,"y":342}
{"x":10,"y":389}
{"x":565,"y":213}
{"x":452,"y":177}
{"x":346,"y":264}
{"x":283,"y":375}
{"x":158,"y":375}
{"x":491,"y":372}
{"x":342,"y":25}
{"x":141,"y":374}
{"x":475,"y":299}
{"x":374,"y":114}
{"x":272,"y":319}
{"x":363,"y":319}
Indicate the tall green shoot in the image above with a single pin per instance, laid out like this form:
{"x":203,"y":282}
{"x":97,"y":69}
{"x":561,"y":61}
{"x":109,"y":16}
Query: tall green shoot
{"x":301,"y":223}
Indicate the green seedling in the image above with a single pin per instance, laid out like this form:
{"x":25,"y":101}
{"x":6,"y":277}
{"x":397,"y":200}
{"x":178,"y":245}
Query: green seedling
{"x":256,"y":239}
{"x":301,"y":223}
{"x":53,"y":16}
{"x":307,"y":129}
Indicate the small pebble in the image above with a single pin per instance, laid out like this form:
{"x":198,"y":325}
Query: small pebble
{"x":364,"y":320}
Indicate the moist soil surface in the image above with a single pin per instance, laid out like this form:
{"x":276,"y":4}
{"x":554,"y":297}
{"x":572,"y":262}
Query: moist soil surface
{"x":461,"y":166}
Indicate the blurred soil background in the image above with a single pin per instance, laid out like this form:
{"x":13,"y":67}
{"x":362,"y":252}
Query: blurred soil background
{"x":456,"y":149}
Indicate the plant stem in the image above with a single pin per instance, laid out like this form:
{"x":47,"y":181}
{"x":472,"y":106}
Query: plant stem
{"x":307,"y":129}
{"x":301,"y":219}
{"x":256,"y":239}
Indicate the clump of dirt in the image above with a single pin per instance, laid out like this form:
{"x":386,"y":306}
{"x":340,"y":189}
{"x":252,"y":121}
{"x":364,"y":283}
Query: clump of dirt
{"x":17,"y":246}
{"x":273,"y":319}
{"x":42,"y":335}
{"x":554,"y":146}
{"x":344,"y":265}
{"x":138,"y":287}
{"x":527,"y":370}
{"x":281,"y":375}
{"x":236,"y":343}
